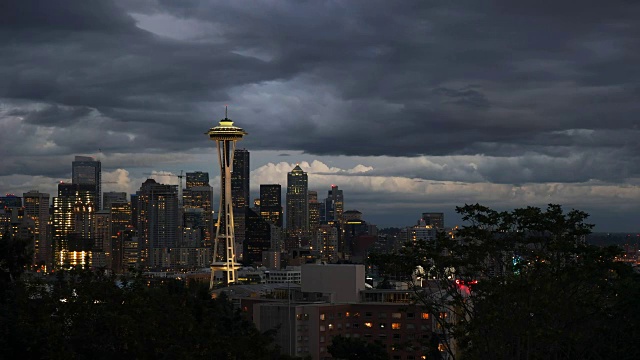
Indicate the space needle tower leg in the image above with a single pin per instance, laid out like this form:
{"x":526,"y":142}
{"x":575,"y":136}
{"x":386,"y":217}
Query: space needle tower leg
{"x":225,"y":135}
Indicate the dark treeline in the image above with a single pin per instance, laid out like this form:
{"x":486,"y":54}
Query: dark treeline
{"x":87,"y":315}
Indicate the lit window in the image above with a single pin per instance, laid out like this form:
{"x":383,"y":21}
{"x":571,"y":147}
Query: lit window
{"x":443,"y":315}
{"x":383,"y":325}
{"x":441,"y":347}
{"x":347,"y":314}
{"x":395,"y":326}
{"x":321,"y":316}
{"x":330,"y":326}
{"x":368,"y":324}
{"x":425,"y":316}
{"x":396,"y":315}
{"x":321,"y":327}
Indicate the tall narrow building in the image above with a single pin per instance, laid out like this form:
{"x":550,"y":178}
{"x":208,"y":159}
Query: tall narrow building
{"x":157,"y":222}
{"x":36,"y":206}
{"x":85,"y":170}
{"x":74,"y":225}
{"x":297,"y":203}
{"x":334,"y":205}
{"x":271,"y":203}
{"x":258,"y":238}
{"x":314,"y":216}
{"x":240,"y":196}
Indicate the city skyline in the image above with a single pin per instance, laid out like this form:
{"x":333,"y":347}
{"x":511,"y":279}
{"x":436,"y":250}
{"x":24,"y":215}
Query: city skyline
{"x":436,"y":106}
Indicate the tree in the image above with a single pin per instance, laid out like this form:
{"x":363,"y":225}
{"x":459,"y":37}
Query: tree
{"x":344,"y":348}
{"x":522,"y":284}
{"x":85,"y":314}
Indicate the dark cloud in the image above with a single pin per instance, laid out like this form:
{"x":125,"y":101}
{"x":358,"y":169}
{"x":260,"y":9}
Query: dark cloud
{"x":545,"y":91}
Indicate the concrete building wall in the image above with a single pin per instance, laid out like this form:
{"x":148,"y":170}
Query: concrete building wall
{"x":343,"y":281}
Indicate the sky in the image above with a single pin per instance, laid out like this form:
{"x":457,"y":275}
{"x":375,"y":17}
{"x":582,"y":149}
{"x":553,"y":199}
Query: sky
{"x":408,"y":106}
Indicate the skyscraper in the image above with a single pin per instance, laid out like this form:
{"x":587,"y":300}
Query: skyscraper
{"x":240,"y":179}
{"x":334,"y":205}
{"x":36,"y":206}
{"x":258,"y":237}
{"x":240,"y":196}
{"x":297,"y":203}
{"x":271,"y":203}
{"x":435,"y":219}
{"x":225,"y":135}
{"x":86,"y":170}
{"x":197,"y":178}
{"x":157,"y":222}
{"x":314,"y":215}
{"x":73,"y":224}
{"x":112,"y":196}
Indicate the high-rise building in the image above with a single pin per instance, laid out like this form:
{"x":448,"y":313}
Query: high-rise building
{"x":435,"y":219}
{"x":112,"y":196}
{"x":271,"y":203}
{"x":74,"y":224}
{"x":36,"y":206}
{"x":157,"y":222}
{"x":10,"y":200}
{"x":86,"y":170}
{"x":225,"y":135}
{"x":102,"y":240}
{"x":240,"y":179}
{"x":297,"y":203}
{"x":197,"y":178}
{"x":334,"y":205}
{"x":258,"y":238}
{"x":201,"y":197}
{"x":314,"y":214}
{"x":240,"y":196}
{"x":120,"y":221}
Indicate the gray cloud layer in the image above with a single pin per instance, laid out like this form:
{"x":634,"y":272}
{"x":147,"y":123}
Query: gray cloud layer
{"x":536,"y":91}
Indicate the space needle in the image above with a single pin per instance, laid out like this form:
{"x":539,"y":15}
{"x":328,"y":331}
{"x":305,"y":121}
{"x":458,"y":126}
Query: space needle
{"x":225,"y":135}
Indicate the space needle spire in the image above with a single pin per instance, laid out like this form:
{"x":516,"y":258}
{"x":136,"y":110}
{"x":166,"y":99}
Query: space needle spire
{"x":225,"y":135}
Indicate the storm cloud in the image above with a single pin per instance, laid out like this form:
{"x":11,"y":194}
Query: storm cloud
{"x":497,"y":93}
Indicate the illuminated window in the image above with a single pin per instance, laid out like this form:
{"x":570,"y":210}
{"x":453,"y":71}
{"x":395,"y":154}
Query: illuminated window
{"x":330,"y":326}
{"x":443,"y":315}
{"x":395,"y":326}
{"x":441,"y":347}
{"x":322,"y":317}
{"x":425,"y":316}
{"x":367,"y":324}
{"x":347,"y":314}
{"x":321,"y":327}
{"x":383,"y":325}
{"x":396,"y":316}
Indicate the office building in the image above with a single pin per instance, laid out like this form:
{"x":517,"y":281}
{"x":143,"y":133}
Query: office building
{"x":297,"y":203}
{"x":240,"y":196}
{"x":157,"y":222}
{"x":201,"y":197}
{"x":258,"y":238}
{"x":74,"y":224}
{"x":10,"y":200}
{"x":197,"y":178}
{"x":36,"y":206}
{"x":435,"y":219}
{"x":333,"y":205}
{"x":120,"y":222}
{"x":112,"y":196}
{"x":86,"y":170}
{"x":271,"y":203}
{"x":314,"y":214}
